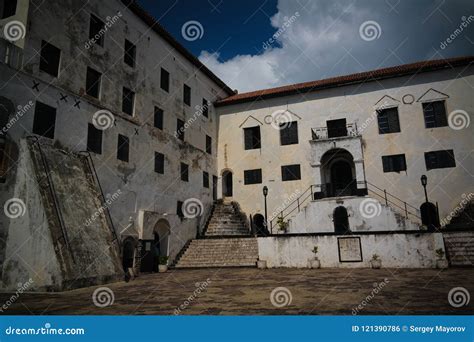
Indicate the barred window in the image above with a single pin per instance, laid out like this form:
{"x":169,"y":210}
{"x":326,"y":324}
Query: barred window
{"x":435,"y":114}
{"x":289,"y":133}
{"x":388,"y":120}
{"x":439,"y":159}
{"x":252,"y":138}
{"x":253,"y":176}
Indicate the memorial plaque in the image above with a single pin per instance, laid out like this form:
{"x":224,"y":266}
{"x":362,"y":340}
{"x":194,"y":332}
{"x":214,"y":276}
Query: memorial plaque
{"x":350,"y":249}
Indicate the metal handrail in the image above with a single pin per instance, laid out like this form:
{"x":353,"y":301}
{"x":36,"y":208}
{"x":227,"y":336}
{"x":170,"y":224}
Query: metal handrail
{"x":52,"y":191}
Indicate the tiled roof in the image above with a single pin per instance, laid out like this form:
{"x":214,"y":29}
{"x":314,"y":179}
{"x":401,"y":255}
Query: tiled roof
{"x":156,"y":26}
{"x":396,"y":71}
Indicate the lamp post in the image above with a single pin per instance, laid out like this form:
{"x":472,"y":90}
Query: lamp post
{"x":424,"y":181}
{"x":265,"y":193}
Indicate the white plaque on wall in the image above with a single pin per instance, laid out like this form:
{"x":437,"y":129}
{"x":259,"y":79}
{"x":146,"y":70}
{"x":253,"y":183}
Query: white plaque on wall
{"x":350,"y":249}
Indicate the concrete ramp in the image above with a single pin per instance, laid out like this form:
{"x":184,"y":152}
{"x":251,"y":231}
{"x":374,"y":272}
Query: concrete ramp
{"x":66,"y":219}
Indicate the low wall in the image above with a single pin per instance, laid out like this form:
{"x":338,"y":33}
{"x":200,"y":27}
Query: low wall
{"x":396,"y":250}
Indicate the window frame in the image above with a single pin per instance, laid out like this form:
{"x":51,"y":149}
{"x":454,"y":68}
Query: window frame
{"x":126,"y":142}
{"x":441,"y":164}
{"x":92,"y":144}
{"x":184,"y":172}
{"x":254,"y":144}
{"x":43,"y":65}
{"x":124,"y":89}
{"x":295,"y":176}
{"x":99,"y":83}
{"x":291,"y":140}
{"x":167,"y":79}
{"x":250,"y":178}
{"x":101,"y":40}
{"x":208,"y":144}
{"x":180,"y":130}
{"x":159,"y":163}
{"x":187,"y":95}
{"x":389,"y":121}
{"x":205,"y":108}
{"x":388,"y":164}
{"x":437,"y":122}
{"x":158,"y":117}
{"x":129,"y":53}
{"x":205,"y":179}
{"x":37,"y":129}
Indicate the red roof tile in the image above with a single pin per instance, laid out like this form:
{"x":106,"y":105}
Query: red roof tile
{"x":368,"y":76}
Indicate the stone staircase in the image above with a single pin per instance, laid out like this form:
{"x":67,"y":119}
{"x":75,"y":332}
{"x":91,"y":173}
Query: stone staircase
{"x":226,"y":242}
{"x":459,"y":247}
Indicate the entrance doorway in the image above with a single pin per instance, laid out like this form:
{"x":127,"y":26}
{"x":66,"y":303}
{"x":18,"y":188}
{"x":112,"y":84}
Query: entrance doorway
{"x":153,"y":249}
{"x":341,"y":178}
{"x":341,"y":220}
{"x":227,"y":190}
{"x":338,"y":173}
{"x":259,"y":225}
{"x":128,"y":254}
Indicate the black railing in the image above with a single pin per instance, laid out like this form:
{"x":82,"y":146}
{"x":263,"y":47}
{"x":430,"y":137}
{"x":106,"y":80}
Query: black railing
{"x":322,"y":133}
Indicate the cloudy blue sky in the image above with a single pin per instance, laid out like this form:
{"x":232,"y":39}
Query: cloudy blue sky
{"x":315,"y":39}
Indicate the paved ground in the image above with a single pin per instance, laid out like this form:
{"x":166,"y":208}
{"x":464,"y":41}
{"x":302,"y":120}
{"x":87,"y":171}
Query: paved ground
{"x":247,"y":291}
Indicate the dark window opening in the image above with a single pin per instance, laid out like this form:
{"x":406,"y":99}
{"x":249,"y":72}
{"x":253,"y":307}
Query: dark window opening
{"x":180,"y":129}
{"x":394,"y":163}
{"x":179,"y":209}
{"x":95,"y":27}
{"x":130,"y":52}
{"x":289,"y":133}
{"x":122,"y":148}
{"x":50,"y":57}
{"x":253,"y":176}
{"x":214,"y":188}
{"x":336,"y":128}
{"x":4,"y":157}
{"x":9,"y":8}
{"x":44,"y":121}
{"x":290,"y":172}
{"x":205,"y":179}
{"x":439,"y":159}
{"x":184,"y":172}
{"x":128,"y":101}
{"x":205,"y":108}
{"x":94,"y":139}
{"x":165,"y":80}
{"x":158,"y":118}
{"x":93,"y":79}
{"x":208,"y":144}
{"x":435,"y":114}
{"x":252,"y":138}
{"x":187,"y":95}
{"x":388,"y":120}
{"x":159,"y":162}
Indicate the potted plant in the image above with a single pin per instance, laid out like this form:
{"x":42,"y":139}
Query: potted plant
{"x":376,"y":262}
{"x":314,"y":262}
{"x":282,"y":224}
{"x":441,"y":262}
{"x":261,"y":264}
{"x":162,"y":264}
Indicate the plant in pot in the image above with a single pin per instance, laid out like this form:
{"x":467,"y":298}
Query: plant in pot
{"x":314,"y":262}
{"x":282,"y":225}
{"x":376,"y":262}
{"x":261,"y":264}
{"x":441,"y":262}
{"x":162,"y":264}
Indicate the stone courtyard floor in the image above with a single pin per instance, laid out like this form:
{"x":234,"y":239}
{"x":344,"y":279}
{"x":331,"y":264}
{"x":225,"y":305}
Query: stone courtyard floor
{"x":247,"y":291}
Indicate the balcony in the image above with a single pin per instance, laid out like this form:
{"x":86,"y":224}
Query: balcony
{"x":336,"y":130}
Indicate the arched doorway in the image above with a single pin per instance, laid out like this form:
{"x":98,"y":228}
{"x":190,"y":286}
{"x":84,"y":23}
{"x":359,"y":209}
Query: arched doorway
{"x":341,"y":220}
{"x":227,"y":190}
{"x":338,"y":173}
{"x":128,"y":254}
{"x":259,"y":225}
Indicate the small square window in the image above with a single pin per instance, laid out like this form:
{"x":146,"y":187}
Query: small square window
{"x":184,"y":172}
{"x":187,"y":95}
{"x":95,"y":27}
{"x":253,"y":176}
{"x":158,"y":118}
{"x":93,"y":79}
{"x":205,"y":179}
{"x":289,"y":133}
{"x":394,"y":163}
{"x":290,"y":172}
{"x":439,"y":159}
{"x":129,"y":53}
{"x":180,"y":129}
{"x":123,"y":148}
{"x":208,"y":144}
{"x":205,"y":108}
{"x":50,"y":57}
{"x":388,"y":120}
{"x":159,"y":163}
{"x":435,"y":114}
{"x":252,"y":138}
{"x":165,"y":80}
{"x":94,"y":139}
{"x":44,"y":121}
{"x":128,"y":101}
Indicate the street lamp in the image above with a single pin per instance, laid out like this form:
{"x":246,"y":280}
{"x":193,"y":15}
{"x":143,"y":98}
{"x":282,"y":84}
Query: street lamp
{"x":424,"y":181}
{"x":265,"y":193}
